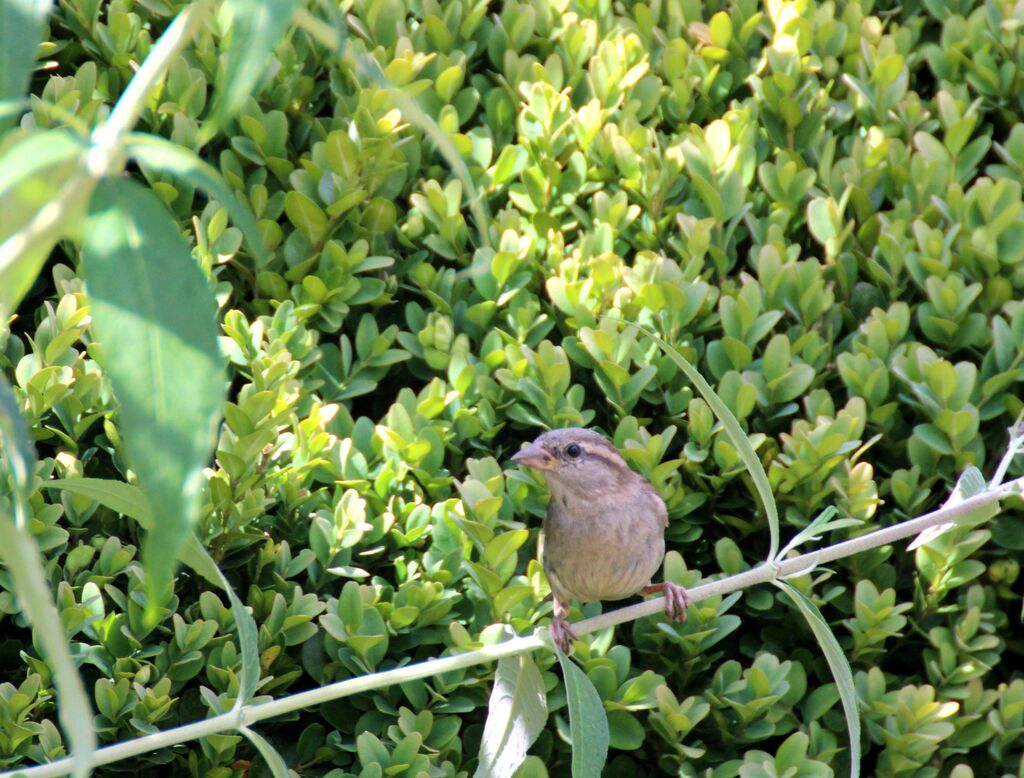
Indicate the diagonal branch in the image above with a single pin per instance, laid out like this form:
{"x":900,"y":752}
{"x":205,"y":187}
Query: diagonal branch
{"x":758,"y":575}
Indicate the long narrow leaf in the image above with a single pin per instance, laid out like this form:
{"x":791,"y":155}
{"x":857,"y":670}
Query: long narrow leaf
{"x":159,"y":154}
{"x":129,"y":500}
{"x":970,"y":483}
{"x":22,"y":23}
{"x":837,"y":663}
{"x":22,"y":559}
{"x":274,"y":760}
{"x":154,"y":322}
{"x":32,"y":155}
{"x":42,"y":194}
{"x":732,"y":426}
{"x":16,"y":452}
{"x":132,"y":502}
{"x":515,"y":718}
{"x":256,"y":27}
{"x":11,"y":108}
{"x":588,"y":722}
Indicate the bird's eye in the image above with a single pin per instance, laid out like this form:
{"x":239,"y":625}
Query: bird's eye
{"x":573,"y":451}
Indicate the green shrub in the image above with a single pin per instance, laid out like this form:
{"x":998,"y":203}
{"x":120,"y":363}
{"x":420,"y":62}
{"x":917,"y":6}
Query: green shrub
{"x":820,"y":205}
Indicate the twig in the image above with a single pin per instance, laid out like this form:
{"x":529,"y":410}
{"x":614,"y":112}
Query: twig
{"x":758,"y":575}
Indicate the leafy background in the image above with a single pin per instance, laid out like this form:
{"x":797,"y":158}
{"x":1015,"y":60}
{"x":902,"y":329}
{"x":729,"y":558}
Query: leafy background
{"x":819,"y":203}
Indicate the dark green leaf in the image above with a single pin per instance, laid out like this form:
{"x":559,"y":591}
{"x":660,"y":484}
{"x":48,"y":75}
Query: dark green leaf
{"x":154,"y":318}
{"x":588,"y":721}
{"x":22,"y":23}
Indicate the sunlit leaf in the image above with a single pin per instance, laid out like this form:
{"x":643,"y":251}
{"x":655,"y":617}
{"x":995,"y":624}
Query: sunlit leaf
{"x":516,"y":716}
{"x":34,"y":173}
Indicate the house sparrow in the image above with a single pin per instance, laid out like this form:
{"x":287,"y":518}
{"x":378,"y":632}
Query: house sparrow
{"x":604,"y":531}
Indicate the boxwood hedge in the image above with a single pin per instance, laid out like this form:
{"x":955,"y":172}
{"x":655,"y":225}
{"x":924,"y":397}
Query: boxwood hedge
{"x":820,"y":204}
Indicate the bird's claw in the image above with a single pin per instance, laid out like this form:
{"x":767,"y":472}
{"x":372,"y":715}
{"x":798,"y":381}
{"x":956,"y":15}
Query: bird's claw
{"x":562,"y":632}
{"x":677,"y":600}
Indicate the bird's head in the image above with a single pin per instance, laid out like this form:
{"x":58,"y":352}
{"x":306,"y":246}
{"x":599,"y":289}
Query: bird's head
{"x":577,"y":461}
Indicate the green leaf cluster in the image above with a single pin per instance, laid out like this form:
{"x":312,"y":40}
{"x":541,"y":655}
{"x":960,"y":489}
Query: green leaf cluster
{"x":414,"y":252}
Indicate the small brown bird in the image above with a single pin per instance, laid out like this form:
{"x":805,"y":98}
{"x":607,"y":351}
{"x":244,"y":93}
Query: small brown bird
{"x":604,"y":531}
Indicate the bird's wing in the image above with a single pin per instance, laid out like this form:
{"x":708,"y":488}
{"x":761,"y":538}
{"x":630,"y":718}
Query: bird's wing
{"x":657,"y":504}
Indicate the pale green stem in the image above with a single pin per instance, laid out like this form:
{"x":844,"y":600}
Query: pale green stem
{"x":104,"y":158}
{"x":758,"y":575}
{"x":108,"y":138}
{"x":21,"y":557}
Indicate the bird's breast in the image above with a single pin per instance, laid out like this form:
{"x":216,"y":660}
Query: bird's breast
{"x":603,"y":555}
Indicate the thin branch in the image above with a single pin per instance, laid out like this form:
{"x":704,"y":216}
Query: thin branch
{"x":105,"y":155}
{"x":758,"y":575}
{"x":23,"y":560}
{"x":108,"y":139}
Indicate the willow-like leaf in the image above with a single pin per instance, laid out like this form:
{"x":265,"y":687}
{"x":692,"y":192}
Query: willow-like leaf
{"x":155,"y":327}
{"x":837,"y":663}
{"x":22,"y":23}
{"x":132,"y":502}
{"x":732,"y":427}
{"x":274,"y":760}
{"x":23,"y":561}
{"x":516,"y":716}
{"x":159,"y":154}
{"x":588,"y":722}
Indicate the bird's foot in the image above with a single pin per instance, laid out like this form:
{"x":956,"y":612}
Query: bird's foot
{"x":677,"y":599}
{"x":562,"y":632}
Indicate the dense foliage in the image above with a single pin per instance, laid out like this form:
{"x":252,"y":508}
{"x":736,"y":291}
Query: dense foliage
{"x":820,"y":203}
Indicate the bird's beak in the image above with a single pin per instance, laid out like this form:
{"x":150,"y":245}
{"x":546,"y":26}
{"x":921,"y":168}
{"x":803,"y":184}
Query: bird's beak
{"x":534,"y":456}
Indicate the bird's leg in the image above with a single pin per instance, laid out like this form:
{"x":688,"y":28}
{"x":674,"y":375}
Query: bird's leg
{"x":677,"y":599}
{"x":561,"y":631}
